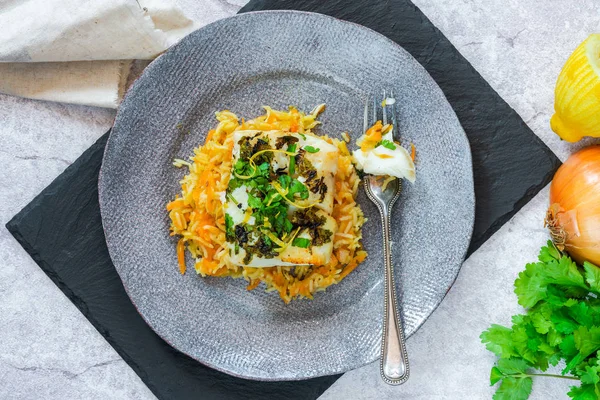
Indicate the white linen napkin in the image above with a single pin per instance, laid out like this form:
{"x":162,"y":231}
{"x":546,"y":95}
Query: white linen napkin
{"x":81,"y":51}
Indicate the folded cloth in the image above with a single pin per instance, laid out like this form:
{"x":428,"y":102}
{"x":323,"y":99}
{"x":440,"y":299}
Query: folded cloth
{"x":80,"y":51}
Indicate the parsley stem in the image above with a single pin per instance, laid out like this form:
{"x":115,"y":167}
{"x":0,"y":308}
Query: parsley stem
{"x":553,"y":376}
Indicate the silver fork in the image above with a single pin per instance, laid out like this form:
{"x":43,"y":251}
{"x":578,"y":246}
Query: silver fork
{"x":394,"y":358}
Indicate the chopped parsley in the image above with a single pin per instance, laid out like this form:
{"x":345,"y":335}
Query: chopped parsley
{"x":388,"y":144}
{"x":229,"y":227}
{"x":301,"y":242}
{"x":269,"y":194}
{"x":297,"y":187}
{"x":292,"y":166}
{"x":230,"y":197}
{"x":254,"y":202}
{"x":264,"y":167}
{"x":285,"y":181}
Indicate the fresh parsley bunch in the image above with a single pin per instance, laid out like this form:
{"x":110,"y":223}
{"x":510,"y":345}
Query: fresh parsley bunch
{"x":562,"y":323}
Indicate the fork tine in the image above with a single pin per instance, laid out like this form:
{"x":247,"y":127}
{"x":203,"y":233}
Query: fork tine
{"x":374,"y":110}
{"x":384,"y":107}
{"x":395,"y":130}
{"x":366,"y":117}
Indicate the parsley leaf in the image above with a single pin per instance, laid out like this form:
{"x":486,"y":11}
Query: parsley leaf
{"x":562,"y":324}
{"x":567,"y":346}
{"x":590,"y":376}
{"x":292,"y":165}
{"x":287,"y":225}
{"x":254,"y":202}
{"x":311,"y":149}
{"x":587,"y":340}
{"x":388,"y":144}
{"x":301,"y":242}
{"x":498,"y":340}
{"x":297,"y":187}
{"x":510,"y":366}
{"x":229,"y":226}
{"x":532,"y":284}
{"x":592,"y":276}
{"x":284,"y":181}
{"x":540,"y":318}
{"x":495,"y":376}
{"x":584,"y":392}
{"x":513,"y":388}
{"x":243,"y":168}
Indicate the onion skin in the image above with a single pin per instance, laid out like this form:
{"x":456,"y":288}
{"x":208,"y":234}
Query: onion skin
{"x":574,"y":214}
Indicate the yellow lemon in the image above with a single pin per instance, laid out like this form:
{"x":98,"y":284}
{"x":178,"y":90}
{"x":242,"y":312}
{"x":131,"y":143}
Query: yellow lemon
{"x":577,"y":93}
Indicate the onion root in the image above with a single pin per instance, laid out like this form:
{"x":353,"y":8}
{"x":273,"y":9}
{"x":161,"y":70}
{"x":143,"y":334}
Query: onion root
{"x":557,"y":232}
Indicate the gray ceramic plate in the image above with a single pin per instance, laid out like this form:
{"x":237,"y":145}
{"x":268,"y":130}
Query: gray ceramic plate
{"x":282,"y":58}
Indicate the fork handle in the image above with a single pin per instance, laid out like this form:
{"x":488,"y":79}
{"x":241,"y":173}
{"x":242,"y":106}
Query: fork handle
{"x":394,"y":358}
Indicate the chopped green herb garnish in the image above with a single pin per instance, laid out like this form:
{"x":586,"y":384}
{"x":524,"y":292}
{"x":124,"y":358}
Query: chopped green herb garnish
{"x":254,"y":202}
{"x":244,"y":169}
{"x":230,"y":197}
{"x":270,"y":193}
{"x":267,"y":241}
{"x":271,"y":199}
{"x":229,"y":226}
{"x":302,"y":135}
{"x":301,"y":242}
{"x":239,"y":166}
{"x":287,"y":225}
{"x":285,"y":181}
{"x":292,"y":165}
{"x":388,"y":144}
{"x":297,"y":187}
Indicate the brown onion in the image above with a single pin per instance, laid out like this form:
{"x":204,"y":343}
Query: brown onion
{"x":574,"y":214}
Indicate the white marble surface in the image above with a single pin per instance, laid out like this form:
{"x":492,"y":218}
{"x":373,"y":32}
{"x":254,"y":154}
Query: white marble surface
{"x":48,"y":349}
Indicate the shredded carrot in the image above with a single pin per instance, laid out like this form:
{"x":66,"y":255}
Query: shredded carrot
{"x":384,"y":156}
{"x":196,"y":194}
{"x":221,"y":271}
{"x":210,"y":135}
{"x":177,"y":203}
{"x":204,"y":219}
{"x":333,"y":262}
{"x":374,"y":132}
{"x":208,"y":267}
{"x":295,"y":120}
{"x":181,"y":255}
{"x":209,"y":195}
{"x":253,"y":284}
{"x":413,"y":152}
{"x":358,"y":258}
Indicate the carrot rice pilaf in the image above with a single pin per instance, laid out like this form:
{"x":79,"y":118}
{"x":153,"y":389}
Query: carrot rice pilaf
{"x":198,"y":218}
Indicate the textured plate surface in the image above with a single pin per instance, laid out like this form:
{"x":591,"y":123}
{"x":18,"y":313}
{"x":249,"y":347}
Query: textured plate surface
{"x":283,"y":58}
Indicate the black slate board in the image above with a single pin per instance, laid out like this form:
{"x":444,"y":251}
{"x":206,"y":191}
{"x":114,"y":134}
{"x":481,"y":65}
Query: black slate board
{"x":61,"y":228}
